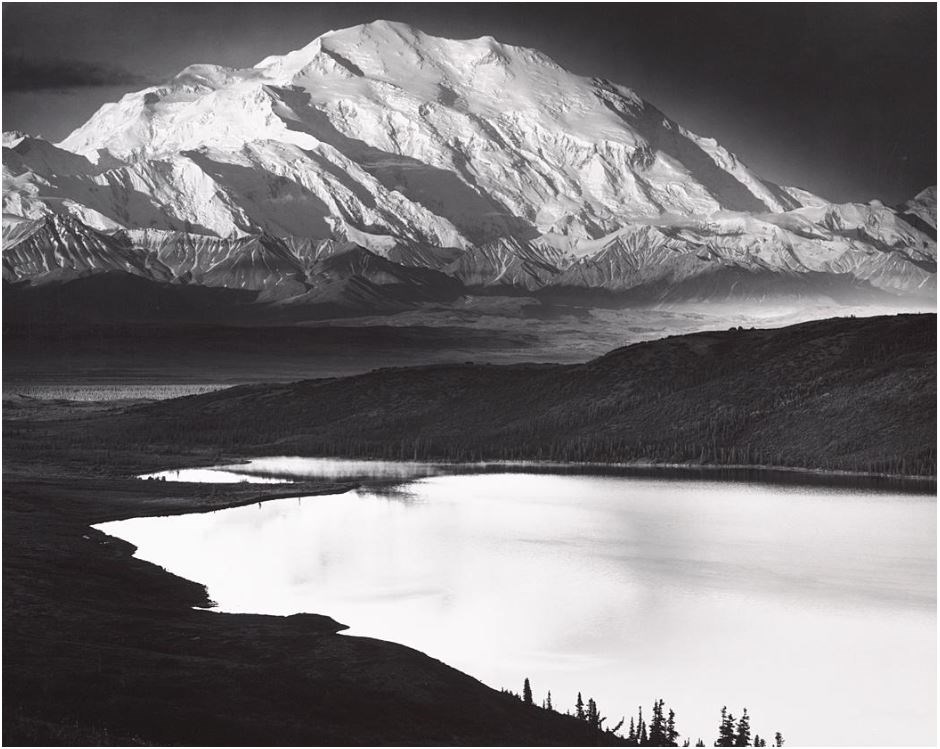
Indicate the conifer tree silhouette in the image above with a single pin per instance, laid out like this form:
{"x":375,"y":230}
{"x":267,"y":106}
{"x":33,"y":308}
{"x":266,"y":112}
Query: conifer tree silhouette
{"x":742,"y":736}
{"x":725,"y":729}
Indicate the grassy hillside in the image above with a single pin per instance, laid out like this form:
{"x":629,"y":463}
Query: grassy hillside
{"x":847,"y":394}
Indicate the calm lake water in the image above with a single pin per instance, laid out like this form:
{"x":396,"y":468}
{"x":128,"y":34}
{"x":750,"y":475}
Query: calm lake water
{"x":814,"y":608}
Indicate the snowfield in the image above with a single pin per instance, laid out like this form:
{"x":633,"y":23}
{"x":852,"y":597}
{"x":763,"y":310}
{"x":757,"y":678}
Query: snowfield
{"x":484,"y":163}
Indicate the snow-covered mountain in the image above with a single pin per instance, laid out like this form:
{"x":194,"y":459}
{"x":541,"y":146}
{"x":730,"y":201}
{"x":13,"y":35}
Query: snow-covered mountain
{"x":479,"y":162}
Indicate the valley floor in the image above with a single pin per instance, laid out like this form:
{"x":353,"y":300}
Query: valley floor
{"x":60,"y":358}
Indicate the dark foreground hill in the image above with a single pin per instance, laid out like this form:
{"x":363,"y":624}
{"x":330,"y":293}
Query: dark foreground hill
{"x":842,"y":394}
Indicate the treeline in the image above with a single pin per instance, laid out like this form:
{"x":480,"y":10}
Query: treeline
{"x":548,"y":442}
{"x":661,"y":728}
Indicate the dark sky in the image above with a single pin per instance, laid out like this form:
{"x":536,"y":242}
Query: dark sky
{"x":840,"y":99}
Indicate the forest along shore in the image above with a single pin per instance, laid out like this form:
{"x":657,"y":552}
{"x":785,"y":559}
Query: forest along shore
{"x":842,"y":395}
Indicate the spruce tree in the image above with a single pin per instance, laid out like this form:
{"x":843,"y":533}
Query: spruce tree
{"x":778,"y":739}
{"x":657,"y":735}
{"x":742,"y":736}
{"x":726,"y":729}
{"x":579,"y":708}
{"x":642,"y":736}
{"x":593,"y":718}
{"x":548,"y":701}
{"x":527,"y":692}
{"x":672,"y":735}
{"x":631,"y":737}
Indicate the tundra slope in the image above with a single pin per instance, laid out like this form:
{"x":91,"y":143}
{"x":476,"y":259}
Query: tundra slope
{"x":841,"y":394}
{"x":482,"y":162}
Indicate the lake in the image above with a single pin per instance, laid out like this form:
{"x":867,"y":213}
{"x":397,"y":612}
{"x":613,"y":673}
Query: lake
{"x":813,"y":607}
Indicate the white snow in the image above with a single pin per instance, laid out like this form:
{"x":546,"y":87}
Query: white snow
{"x":385,"y":136}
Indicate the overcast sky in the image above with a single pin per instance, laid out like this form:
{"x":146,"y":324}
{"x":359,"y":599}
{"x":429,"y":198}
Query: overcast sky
{"x":840,"y":99}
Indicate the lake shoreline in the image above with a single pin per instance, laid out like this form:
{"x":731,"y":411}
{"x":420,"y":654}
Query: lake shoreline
{"x":102,"y":648}
{"x":385,"y":563}
{"x":147,"y":649}
{"x":734,"y":473}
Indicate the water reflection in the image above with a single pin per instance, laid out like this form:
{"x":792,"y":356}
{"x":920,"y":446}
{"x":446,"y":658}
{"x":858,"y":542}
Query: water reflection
{"x":221,"y":475}
{"x":285,"y":468}
{"x":337,"y":468}
{"x":815,"y":608}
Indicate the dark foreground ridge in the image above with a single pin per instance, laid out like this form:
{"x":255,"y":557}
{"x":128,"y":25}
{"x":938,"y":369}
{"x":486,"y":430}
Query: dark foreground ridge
{"x":842,"y":394}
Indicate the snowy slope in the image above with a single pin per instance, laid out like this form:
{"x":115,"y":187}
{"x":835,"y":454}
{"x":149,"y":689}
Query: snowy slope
{"x":921,"y":211}
{"x":59,"y":247}
{"x":484,"y":161}
{"x":393,"y":132}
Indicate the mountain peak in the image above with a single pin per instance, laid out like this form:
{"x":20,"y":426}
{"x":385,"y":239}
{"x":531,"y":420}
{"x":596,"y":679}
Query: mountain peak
{"x":391,"y":51}
{"x":923,"y":208}
{"x":386,"y":33}
{"x":380,"y":28}
{"x":475,"y":155}
{"x":927,"y":195}
{"x":13,"y":137}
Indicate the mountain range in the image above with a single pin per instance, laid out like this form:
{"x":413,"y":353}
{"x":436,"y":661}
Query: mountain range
{"x":379,"y":167}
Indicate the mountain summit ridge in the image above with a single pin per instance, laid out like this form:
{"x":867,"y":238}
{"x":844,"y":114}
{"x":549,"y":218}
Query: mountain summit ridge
{"x":411,"y":146}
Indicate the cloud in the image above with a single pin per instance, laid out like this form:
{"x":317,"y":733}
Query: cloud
{"x":24,"y":74}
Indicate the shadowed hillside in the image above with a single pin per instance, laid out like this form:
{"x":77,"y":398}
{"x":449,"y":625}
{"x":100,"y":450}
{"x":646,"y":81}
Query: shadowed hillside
{"x":844,"y":394}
